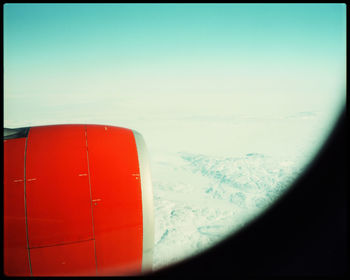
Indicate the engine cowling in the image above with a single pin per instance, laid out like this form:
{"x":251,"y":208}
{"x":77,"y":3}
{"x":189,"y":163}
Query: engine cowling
{"x":77,"y":201}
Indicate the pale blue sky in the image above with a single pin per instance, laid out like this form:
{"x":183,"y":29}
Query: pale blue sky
{"x":83,"y":53}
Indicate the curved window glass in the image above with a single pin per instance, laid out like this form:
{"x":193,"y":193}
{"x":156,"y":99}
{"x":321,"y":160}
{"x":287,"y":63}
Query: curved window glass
{"x":233,"y":100}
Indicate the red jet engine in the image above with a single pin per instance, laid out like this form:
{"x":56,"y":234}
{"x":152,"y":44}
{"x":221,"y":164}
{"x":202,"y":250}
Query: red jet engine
{"x":77,"y":201}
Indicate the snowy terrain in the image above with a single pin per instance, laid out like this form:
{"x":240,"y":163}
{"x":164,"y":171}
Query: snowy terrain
{"x":217,"y":161}
{"x":212,"y":197}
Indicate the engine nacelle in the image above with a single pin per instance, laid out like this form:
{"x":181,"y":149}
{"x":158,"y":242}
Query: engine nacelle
{"x":77,"y":201}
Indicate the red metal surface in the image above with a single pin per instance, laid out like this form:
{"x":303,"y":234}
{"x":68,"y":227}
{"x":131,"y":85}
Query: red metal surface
{"x":83,"y":202}
{"x":58,"y":192}
{"x":75,"y":259}
{"x":16,"y":260}
{"x":117,"y":202}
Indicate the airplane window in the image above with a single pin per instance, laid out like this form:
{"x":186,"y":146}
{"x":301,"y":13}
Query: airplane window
{"x":233,"y":100}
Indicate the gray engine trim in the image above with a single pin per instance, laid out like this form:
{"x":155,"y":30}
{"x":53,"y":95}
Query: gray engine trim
{"x":12,"y":133}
